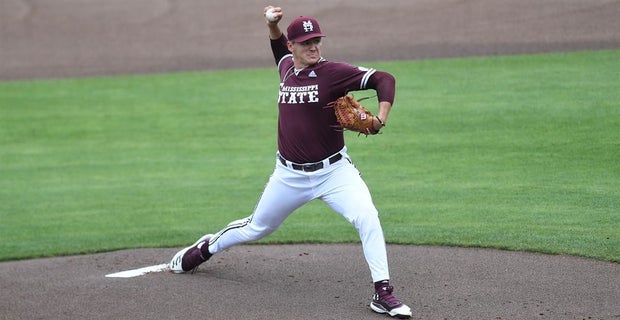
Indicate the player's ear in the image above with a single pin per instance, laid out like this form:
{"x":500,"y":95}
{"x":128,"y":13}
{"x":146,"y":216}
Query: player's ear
{"x":289,"y":44}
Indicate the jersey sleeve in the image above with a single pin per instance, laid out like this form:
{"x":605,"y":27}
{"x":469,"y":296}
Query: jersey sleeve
{"x":385,"y":85}
{"x":279,"y":48}
{"x":348,"y":78}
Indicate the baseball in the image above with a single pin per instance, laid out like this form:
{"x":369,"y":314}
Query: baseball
{"x":271,"y":15}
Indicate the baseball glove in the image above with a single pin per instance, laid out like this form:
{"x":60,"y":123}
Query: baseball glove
{"x":353,"y":116}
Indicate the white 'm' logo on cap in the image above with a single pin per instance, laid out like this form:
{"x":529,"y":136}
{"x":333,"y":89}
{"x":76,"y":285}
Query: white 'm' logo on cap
{"x":308,"y":26}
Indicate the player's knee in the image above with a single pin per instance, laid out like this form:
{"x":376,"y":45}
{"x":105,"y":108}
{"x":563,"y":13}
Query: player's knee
{"x":365,"y":218}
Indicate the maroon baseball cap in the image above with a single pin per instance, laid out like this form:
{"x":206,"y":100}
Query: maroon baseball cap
{"x":303,"y":28}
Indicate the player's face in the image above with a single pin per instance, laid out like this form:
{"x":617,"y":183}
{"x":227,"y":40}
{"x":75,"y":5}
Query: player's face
{"x":306,"y":53}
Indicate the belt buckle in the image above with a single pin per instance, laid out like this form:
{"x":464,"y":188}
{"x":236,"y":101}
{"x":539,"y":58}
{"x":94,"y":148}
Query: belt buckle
{"x":313,"y":167}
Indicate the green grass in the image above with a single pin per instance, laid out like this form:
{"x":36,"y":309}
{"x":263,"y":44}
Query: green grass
{"x":515,"y":152}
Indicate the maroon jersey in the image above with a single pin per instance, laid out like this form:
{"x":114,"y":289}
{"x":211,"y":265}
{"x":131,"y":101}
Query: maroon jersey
{"x":307,"y":130}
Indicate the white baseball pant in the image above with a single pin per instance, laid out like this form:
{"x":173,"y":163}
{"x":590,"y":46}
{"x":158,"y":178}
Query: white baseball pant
{"x":339,"y":185}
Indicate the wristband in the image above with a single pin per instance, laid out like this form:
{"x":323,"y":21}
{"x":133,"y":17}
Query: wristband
{"x":380,"y":122}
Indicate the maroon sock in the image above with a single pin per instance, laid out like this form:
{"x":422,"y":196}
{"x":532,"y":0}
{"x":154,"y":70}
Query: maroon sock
{"x":381,"y":284}
{"x":204,"y":251}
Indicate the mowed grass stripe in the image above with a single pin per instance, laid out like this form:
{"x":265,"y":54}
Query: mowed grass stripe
{"x":514,"y":152}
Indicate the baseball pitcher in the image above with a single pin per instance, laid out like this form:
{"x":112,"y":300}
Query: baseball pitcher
{"x":312,"y":162}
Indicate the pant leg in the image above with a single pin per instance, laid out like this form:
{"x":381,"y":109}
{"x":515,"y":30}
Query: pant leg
{"x":346,"y":192}
{"x":285,"y":191}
